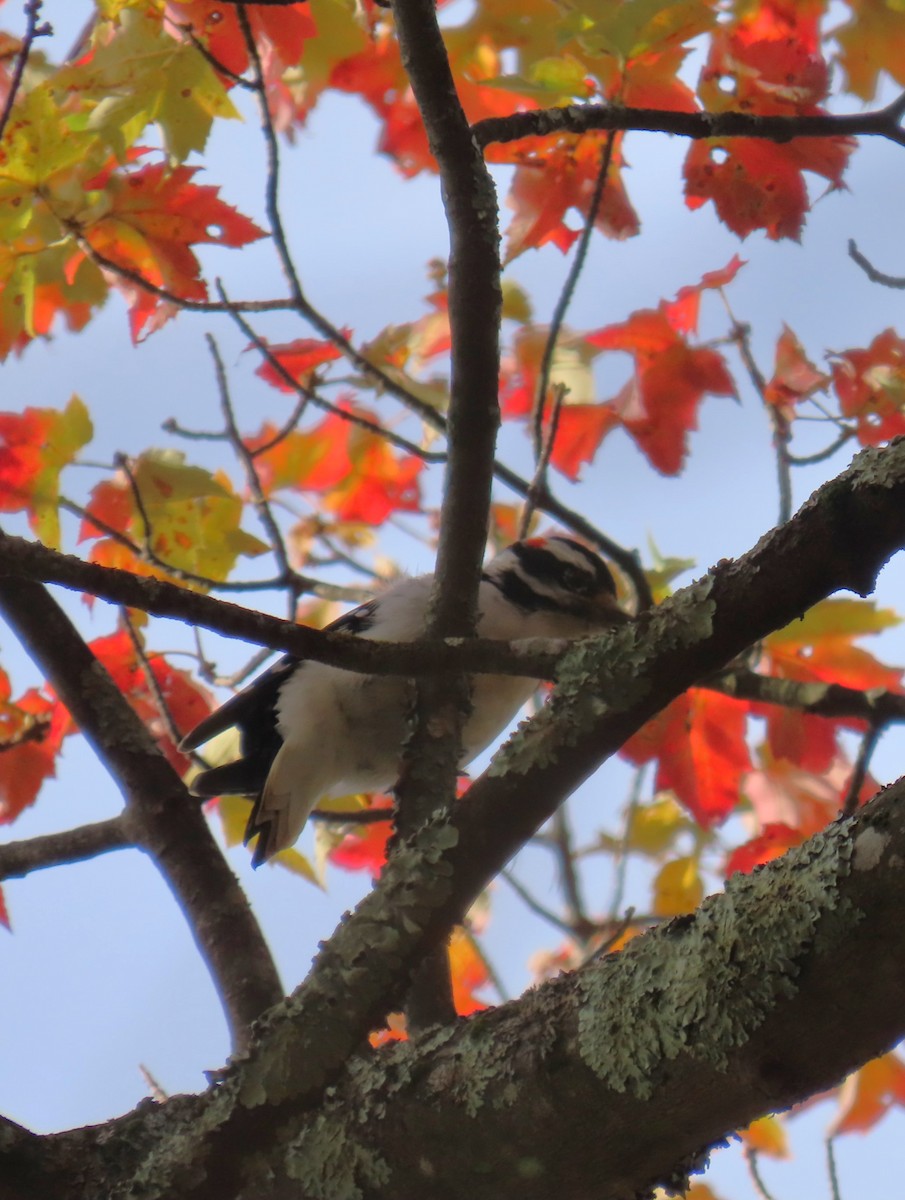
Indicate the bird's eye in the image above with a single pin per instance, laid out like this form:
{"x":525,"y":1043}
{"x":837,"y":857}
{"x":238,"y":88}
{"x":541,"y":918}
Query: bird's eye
{"x":575,"y":579}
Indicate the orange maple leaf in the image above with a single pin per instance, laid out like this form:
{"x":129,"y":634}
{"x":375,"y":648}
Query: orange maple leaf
{"x":356,"y":472}
{"x":468,"y":972}
{"x":155,"y":215}
{"x":869,"y":1093}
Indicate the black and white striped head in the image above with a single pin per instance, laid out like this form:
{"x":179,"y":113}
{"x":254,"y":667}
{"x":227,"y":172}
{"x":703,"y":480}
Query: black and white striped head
{"x":556,"y":575}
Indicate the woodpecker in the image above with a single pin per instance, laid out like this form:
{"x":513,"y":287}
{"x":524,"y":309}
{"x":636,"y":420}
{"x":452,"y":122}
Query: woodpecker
{"x":311,"y":732}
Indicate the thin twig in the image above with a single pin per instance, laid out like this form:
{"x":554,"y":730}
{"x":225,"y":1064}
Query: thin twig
{"x":565,"y":296}
{"x":620,"y":858}
{"x":576,"y":911}
{"x":538,"y":485}
{"x":155,"y":1091}
{"x":401,"y":443}
{"x":875,"y":276}
{"x":812,"y":460}
{"x":160,"y":701}
{"x":534,"y":905}
{"x":33,"y":30}
{"x":833,"y":1174}
{"x":252,"y":478}
{"x":778,"y":421}
{"x":859,"y":770}
{"x":760,"y":1187}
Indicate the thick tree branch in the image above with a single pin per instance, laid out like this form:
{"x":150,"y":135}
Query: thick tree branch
{"x":581,"y":118}
{"x":160,"y":817}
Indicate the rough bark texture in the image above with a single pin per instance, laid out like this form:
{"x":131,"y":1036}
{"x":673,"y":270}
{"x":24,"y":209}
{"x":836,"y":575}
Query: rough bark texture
{"x":602,"y":1082}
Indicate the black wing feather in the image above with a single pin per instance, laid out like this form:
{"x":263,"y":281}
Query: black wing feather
{"x":254,"y":712}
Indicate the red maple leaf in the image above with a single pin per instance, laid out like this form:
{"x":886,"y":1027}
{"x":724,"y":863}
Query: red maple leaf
{"x":794,"y":375}
{"x":772,"y":842}
{"x":554,"y":175}
{"x":364,"y":849}
{"x":31,"y":736}
{"x":767,"y":62}
{"x":659,"y":404}
{"x":820,"y":649}
{"x":279,"y":33}
{"x":870,"y":385}
{"x":701,"y":752}
{"x":300,"y":358}
{"x":185,"y":701}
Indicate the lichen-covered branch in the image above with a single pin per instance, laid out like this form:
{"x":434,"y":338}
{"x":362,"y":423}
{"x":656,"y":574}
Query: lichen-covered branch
{"x":605,"y":1082}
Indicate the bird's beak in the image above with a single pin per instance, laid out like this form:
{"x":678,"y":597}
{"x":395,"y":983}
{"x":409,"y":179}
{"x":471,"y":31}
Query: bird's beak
{"x":605,"y":611}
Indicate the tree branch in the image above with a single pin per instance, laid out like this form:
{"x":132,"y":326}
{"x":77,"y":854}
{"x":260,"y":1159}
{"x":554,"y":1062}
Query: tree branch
{"x":875,"y":705}
{"x":529,"y":657}
{"x":581,"y":118}
{"x":160,"y":817}
{"x":18,"y":859}
{"x":430,"y":768}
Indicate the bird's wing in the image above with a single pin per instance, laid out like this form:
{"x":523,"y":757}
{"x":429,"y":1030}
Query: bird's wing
{"x":254,"y":712}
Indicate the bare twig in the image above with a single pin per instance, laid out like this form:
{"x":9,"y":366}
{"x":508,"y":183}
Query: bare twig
{"x":576,"y":910}
{"x":875,"y":276}
{"x":33,"y":30}
{"x":160,"y":701}
{"x":581,"y":118}
{"x":831,"y":1171}
{"x":252,"y":478}
{"x":741,"y":335}
{"x":568,"y":290}
{"x":538,"y":485}
{"x":751,"y":1158}
{"x":18,"y":859}
{"x":812,"y":460}
{"x":859,"y":770}
{"x":307,"y":394}
{"x":535,"y":905}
